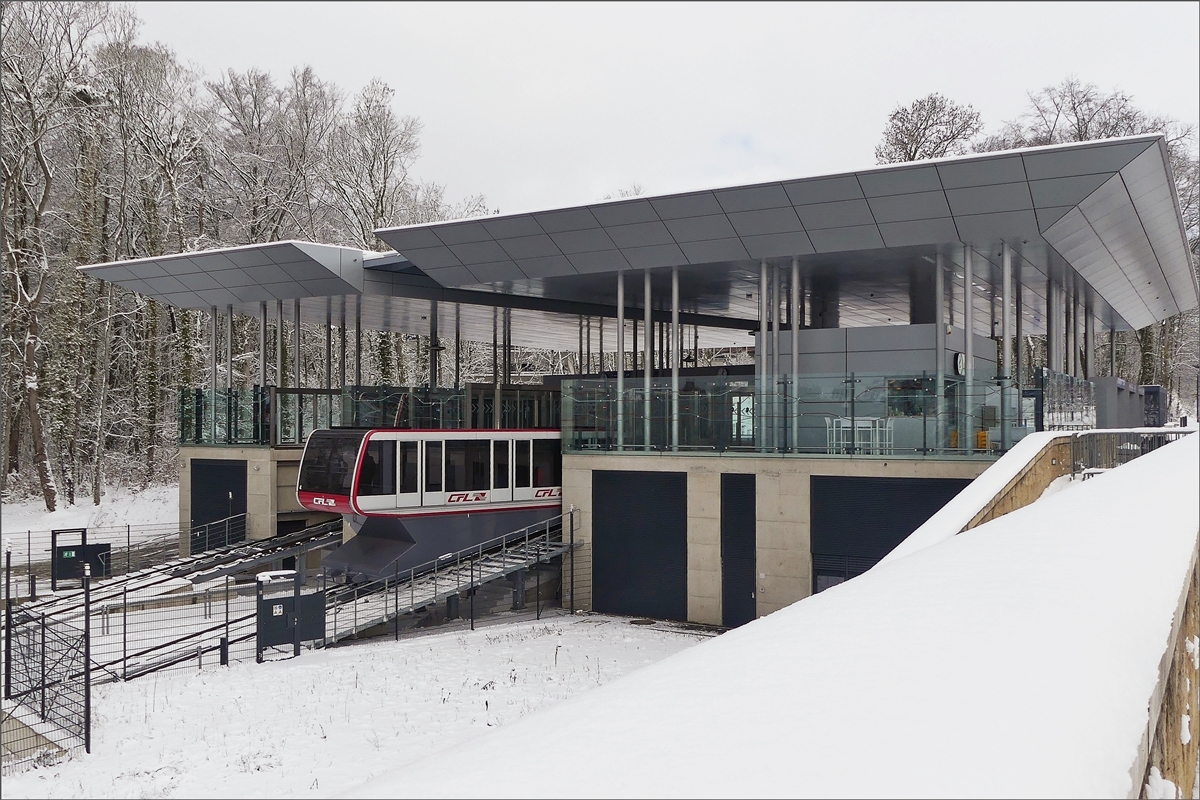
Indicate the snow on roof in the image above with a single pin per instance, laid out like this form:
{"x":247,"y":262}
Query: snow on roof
{"x":1016,"y":658}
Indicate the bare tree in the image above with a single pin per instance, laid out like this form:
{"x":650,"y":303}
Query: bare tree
{"x":931,"y":127}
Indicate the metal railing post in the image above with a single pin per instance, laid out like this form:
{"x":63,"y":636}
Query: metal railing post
{"x":7,"y":623}
{"x":87,"y":658}
{"x":124,"y":633}
{"x":42,"y":680}
{"x":571,"y":517}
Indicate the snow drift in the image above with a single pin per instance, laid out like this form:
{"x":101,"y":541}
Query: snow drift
{"x":1015,"y":659}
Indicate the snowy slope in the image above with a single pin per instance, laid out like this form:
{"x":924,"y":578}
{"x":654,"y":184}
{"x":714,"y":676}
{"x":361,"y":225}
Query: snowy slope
{"x":328,"y":720}
{"x":1015,"y":659}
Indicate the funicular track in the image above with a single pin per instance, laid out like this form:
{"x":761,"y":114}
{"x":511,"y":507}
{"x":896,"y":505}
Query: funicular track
{"x":354,"y":608}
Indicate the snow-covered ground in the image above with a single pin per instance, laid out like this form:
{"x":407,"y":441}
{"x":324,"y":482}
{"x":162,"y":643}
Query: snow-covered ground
{"x":329,"y":720}
{"x":148,"y":512}
{"x":1016,"y":659}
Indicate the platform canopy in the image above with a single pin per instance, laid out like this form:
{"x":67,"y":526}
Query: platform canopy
{"x":1097,"y":219}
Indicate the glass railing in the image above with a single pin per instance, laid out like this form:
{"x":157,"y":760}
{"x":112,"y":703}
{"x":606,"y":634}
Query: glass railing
{"x":226,"y":416}
{"x":845,"y":415}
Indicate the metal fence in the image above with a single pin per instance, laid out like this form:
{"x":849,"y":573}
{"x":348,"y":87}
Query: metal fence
{"x":47,"y":690}
{"x":1092,"y":451}
{"x":221,"y":533}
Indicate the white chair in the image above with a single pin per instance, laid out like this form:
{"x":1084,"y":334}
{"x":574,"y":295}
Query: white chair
{"x":883,"y":436}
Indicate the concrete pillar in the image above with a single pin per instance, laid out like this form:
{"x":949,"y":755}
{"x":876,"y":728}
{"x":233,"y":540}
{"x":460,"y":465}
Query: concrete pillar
{"x":647,"y":322}
{"x":621,"y":359}
{"x":675,"y":358}
{"x":940,"y":346}
{"x":797,"y":316}
{"x":968,"y":350}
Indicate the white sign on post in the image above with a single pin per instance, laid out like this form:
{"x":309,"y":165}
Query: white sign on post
{"x":277,"y":610}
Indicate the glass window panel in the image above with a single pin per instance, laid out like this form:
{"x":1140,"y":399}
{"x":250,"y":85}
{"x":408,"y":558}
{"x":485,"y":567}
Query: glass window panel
{"x":500,"y":464}
{"x":433,"y":466}
{"x":547,"y":462}
{"x":468,"y":465}
{"x":408,"y":467}
{"x":329,"y":462}
{"x":377,"y":475}
{"x":523,"y":465}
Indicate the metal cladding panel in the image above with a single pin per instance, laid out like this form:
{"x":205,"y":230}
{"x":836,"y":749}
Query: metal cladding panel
{"x":687,"y":205}
{"x":917,"y":232}
{"x":639,"y":543}
{"x":982,"y":172}
{"x":823,"y":190}
{"x":592,"y":240}
{"x":512,"y":227}
{"x":867,"y":517}
{"x":906,"y":180}
{"x":738,"y":546}
{"x":903,"y":208}
{"x":1083,"y":160}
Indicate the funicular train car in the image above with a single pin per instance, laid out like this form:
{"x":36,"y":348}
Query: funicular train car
{"x":411,"y":496}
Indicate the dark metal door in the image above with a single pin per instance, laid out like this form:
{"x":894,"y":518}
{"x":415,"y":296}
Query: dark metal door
{"x":855,"y":521}
{"x":738,"y":535}
{"x":218,"y":490}
{"x":639,"y":543}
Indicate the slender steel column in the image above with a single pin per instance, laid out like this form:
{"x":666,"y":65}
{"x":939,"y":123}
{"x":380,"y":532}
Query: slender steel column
{"x":1006,"y":344}
{"x":1076,"y":337}
{"x":212,"y":352}
{"x":939,"y":283}
{"x":262,"y":343}
{"x":621,"y":359}
{"x":600,"y":343}
{"x":582,"y":368}
{"x":647,"y":315}
{"x":508,"y":346}
{"x":1051,"y":339}
{"x":675,"y":358}
{"x":968,"y":349}
{"x":796,"y":314}
{"x":1019,"y":314}
{"x":1112,"y":350}
{"x":589,"y":345}
{"x":328,"y":343}
{"x":760,"y":355}
{"x":1089,"y":344}
{"x":342,"y":347}
{"x":358,"y":341}
{"x":433,"y":344}
{"x":296,"y":343}
{"x":776,"y":416}
{"x":457,"y":348}
{"x":280,"y":377}
{"x":229,"y":346}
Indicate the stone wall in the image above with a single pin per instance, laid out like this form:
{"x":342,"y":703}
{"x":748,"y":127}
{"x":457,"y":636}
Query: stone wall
{"x":783,"y":552}
{"x":1052,"y":462}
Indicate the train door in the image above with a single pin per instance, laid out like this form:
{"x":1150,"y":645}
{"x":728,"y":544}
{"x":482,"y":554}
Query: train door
{"x":408,"y":487}
{"x":377,"y":475}
{"x":502,"y":469}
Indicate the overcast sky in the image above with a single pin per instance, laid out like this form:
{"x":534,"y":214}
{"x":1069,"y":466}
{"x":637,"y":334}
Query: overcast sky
{"x":539,"y":106}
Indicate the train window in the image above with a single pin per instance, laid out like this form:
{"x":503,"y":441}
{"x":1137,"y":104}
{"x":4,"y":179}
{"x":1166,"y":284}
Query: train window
{"x":522,"y":481}
{"x":408,"y":467}
{"x":468,"y":464}
{"x":433,"y":466}
{"x":377,"y":475}
{"x":329,"y":461}
{"x":500,"y":464}
{"x":547,"y":462}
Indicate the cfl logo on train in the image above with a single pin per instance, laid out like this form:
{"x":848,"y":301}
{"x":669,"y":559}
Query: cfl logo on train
{"x":541,"y":493}
{"x":324,"y":501}
{"x":466,"y":497}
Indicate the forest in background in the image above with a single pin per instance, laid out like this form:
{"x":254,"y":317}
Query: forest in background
{"x":113,"y":149}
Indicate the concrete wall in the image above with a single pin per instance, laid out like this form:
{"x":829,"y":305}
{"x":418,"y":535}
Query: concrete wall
{"x":270,"y":487}
{"x":1119,"y":404}
{"x":783,"y":554}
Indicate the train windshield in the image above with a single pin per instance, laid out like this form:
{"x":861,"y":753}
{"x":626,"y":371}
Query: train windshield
{"x":328,"y":465}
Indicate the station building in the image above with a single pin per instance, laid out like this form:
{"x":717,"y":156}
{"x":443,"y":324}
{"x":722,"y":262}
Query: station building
{"x":885,"y":310}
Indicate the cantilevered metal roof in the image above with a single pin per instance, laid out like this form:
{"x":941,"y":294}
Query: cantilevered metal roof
{"x":1099,"y":218}
{"x":1105,"y":210}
